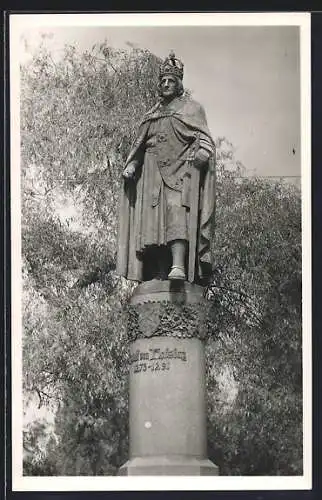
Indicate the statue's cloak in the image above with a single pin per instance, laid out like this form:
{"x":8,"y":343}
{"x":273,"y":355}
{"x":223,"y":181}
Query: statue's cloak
{"x":188,"y":114}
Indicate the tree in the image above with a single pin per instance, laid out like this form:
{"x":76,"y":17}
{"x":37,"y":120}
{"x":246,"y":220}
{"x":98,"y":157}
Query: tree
{"x":78,"y":117}
{"x":256,"y":297}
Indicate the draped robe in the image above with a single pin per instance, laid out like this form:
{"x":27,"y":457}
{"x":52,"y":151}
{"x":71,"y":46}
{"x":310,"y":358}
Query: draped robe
{"x":163,"y":154}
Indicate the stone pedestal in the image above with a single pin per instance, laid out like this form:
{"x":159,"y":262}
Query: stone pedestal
{"x":167,"y":326}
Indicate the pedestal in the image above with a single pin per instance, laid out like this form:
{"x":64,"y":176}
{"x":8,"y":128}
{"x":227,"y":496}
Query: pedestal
{"x":167,"y":400}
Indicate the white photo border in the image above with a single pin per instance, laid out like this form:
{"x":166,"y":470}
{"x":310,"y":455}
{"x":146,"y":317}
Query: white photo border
{"x":19,"y":22}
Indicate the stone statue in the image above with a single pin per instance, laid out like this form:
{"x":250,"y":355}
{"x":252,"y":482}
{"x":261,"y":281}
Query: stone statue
{"x":168,"y":198}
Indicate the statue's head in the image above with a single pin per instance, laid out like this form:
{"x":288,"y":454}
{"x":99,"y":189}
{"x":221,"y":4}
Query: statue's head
{"x":170,"y":77}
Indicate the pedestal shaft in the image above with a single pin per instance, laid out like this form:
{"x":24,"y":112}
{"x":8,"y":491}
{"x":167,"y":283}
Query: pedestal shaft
{"x":167,"y":328}
{"x":167,"y":397}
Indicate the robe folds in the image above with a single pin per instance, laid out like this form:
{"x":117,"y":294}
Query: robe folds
{"x":163,"y":153}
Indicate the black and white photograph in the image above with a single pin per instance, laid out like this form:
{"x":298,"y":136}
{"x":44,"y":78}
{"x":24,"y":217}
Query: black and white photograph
{"x":161,"y":251}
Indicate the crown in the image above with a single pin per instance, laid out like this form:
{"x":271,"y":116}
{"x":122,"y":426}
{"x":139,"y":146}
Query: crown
{"x":172,"y":66}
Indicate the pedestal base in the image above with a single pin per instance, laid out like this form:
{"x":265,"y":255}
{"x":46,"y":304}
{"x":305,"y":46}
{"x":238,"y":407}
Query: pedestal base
{"x":167,"y":386}
{"x":169,"y":466}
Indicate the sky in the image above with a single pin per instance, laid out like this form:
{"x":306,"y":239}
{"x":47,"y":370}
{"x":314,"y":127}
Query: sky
{"x":246,"y":77}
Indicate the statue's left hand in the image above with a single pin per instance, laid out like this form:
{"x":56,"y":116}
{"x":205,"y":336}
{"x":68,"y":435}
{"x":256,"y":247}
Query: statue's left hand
{"x":201,"y":158}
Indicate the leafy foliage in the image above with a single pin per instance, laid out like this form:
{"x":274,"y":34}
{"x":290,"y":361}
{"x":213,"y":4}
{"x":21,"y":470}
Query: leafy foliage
{"x":256,"y":297}
{"x":78,"y":119}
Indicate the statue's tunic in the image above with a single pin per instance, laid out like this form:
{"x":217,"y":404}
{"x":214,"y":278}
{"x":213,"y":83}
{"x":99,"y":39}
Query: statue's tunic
{"x":155,"y":206}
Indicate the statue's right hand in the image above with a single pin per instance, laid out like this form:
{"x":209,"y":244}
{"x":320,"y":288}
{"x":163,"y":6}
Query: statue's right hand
{"x":129,"y":171}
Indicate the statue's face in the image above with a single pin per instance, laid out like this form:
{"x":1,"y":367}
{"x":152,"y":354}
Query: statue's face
{"x":168,"y":86}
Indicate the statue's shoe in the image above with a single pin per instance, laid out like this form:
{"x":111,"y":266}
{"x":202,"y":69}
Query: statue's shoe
{"x":177,"y":273}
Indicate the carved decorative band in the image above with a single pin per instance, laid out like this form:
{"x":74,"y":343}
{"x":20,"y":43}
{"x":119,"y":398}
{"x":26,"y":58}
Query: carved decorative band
{"x":168,"y":319}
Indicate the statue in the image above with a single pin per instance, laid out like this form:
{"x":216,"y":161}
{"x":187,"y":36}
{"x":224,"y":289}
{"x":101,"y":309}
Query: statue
{"x":168,"y":199}
{"x":167,"y":209}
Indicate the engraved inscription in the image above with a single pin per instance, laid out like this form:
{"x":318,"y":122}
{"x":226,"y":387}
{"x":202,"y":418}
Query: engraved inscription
{"x":155,"y":360}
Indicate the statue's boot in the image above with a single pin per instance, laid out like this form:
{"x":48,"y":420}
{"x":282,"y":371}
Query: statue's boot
{"x":178,"y":248}
{"x":177,"y":273}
